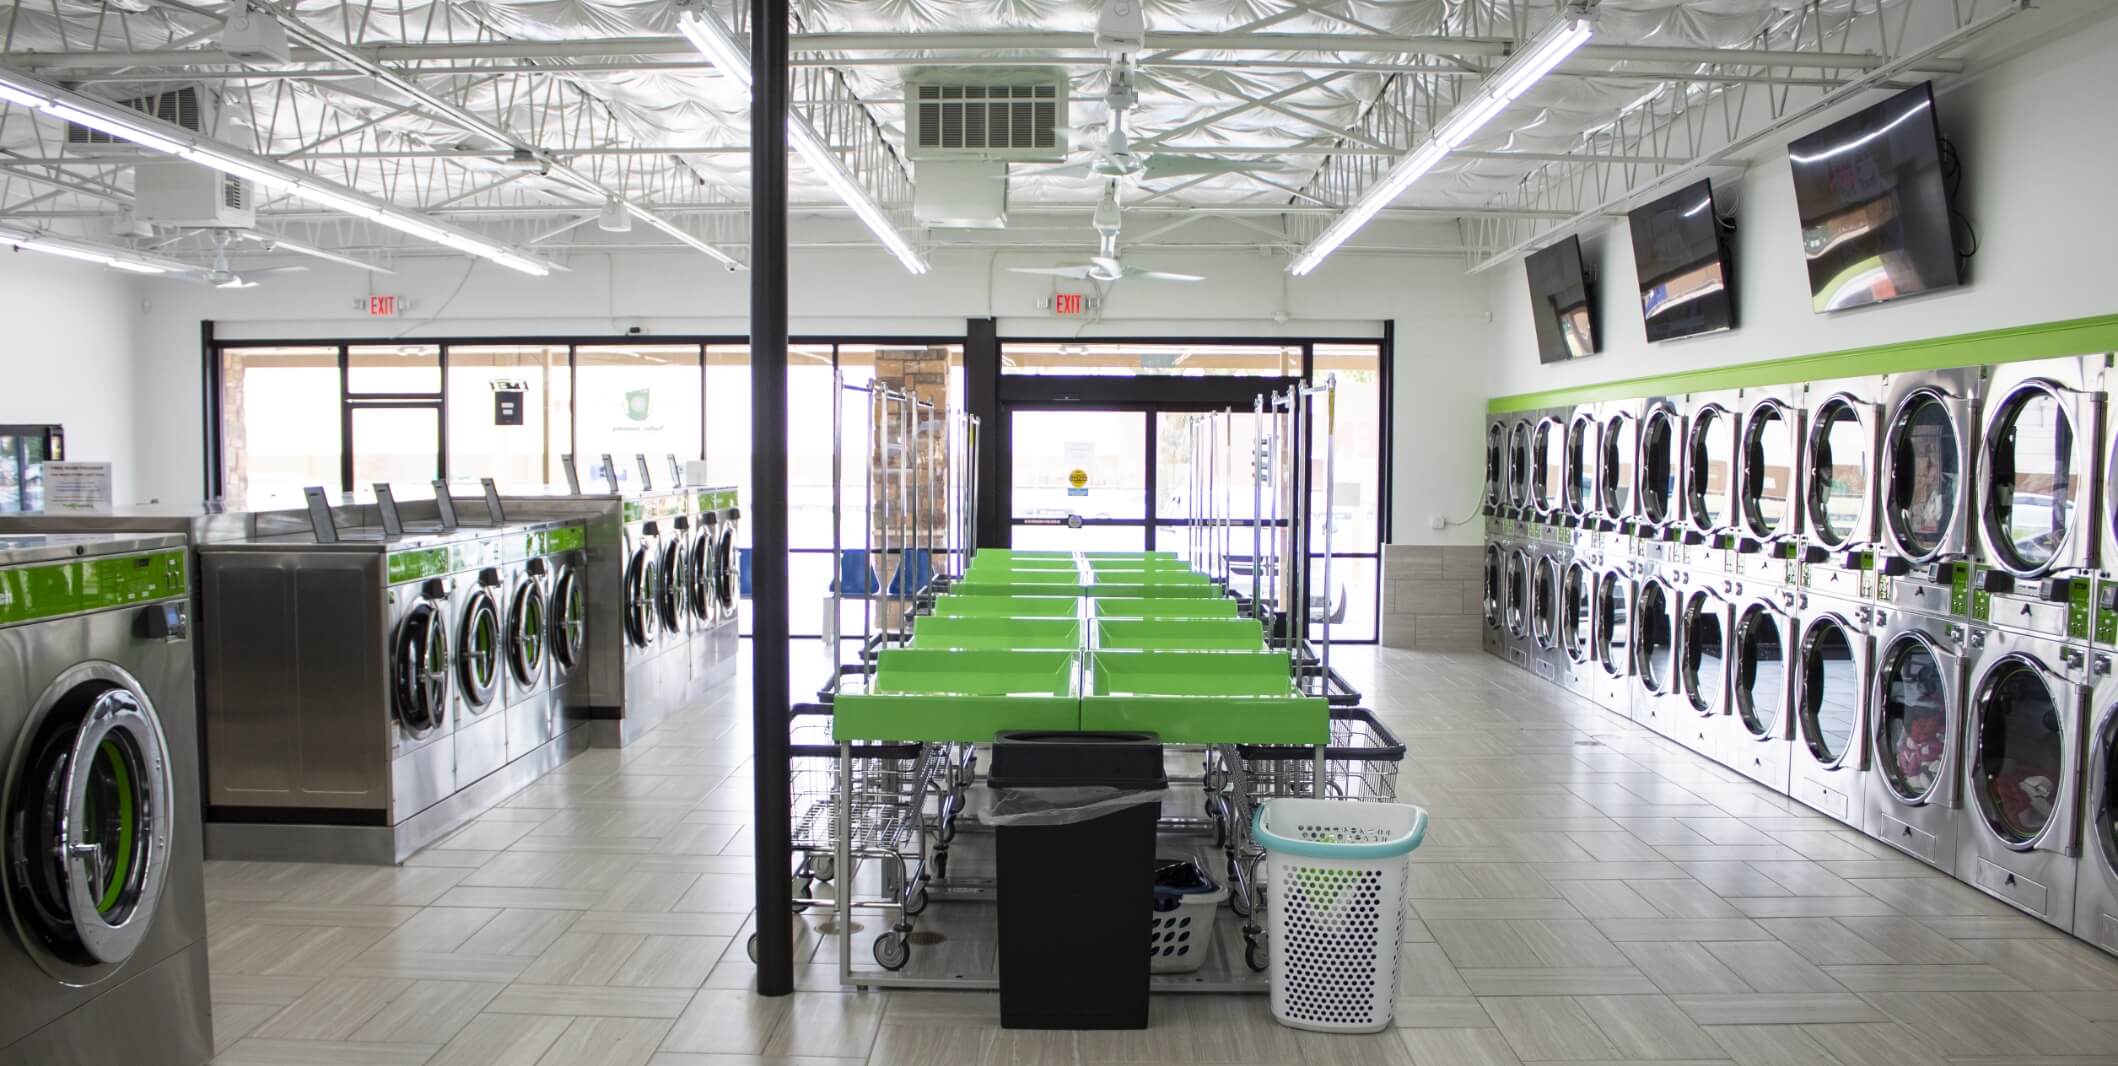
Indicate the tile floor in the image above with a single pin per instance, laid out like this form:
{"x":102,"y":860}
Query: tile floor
{"x":1588,"y":893}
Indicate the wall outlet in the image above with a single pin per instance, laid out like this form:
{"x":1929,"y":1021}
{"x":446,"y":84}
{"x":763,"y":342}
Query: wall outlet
{"x":1437,"y":523}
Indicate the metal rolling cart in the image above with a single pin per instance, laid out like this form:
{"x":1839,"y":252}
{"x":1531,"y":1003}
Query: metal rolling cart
{"x":1280,"y":529}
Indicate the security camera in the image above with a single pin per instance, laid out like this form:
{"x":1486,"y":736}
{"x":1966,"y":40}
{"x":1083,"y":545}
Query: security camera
{"x":730,"y":267}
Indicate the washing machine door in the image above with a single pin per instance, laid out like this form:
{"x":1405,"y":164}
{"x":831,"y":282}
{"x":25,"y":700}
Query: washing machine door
{"x":1616,"y":467}
{"x":1582,"y":435}
{"x":1519,"y":465}
{"x":1515,"y":609}
{"x":1614,"y":622}
{"x":1759,"y":681}
{"x":528,"y":631}
{"x":1710,"y":469}
{"x":1496,"y":476}
{"x":2034,"y":479}
{"x":1661,"y":466}
{"x":671,"y":592}
{"x":698,"y":578}
{"x":724,"y":568}
{"x":1828,"y":691}
{"x":1547,"y":466}
{"x":1927,"y":460}
{"x":569,"y":618}
{"x":2021,"y":752}
{"x":89,"y":808}
{"x":1839,"y":460}
{"x":1914,"y":710}
{"x":1703,"y":641}
{"x":642,"y":581}
{"x":1544,"y":602}
{"x":419,"y":668}
{"x":1495,"y":583}
{"x":1655,"y":638}
{"x":1577,"y":613}
{"x":481,"y":652}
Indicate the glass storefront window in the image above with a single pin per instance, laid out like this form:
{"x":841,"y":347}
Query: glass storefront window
{"x":280,"y":430}
{"x":522,"y":454}
{"x":397,"y":445}
{"x":393,"y":368}
{"x":1151,"y":360}
{"x":632,"y":400}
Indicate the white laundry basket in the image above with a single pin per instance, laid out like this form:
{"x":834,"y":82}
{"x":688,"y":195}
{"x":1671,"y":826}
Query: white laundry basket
{"x":1337,"y":872}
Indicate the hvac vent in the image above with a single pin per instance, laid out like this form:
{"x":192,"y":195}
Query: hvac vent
{"x":183,"y":107}
{"x":1011,"y":114}
{"x":186,"y":194}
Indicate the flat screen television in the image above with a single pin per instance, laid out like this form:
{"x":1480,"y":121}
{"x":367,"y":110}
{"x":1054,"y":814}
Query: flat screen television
{"x":1680,"y":250}
{"x":1874,"y":205}
{"x":1562,"y":303}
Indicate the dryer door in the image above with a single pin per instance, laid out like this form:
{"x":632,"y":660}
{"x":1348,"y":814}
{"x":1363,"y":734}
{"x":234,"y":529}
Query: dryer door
{"x":2102,"y":798}
{"x":1661,"y":467}
{"x":1495,"y":584}
{"x":1704,"y":640}
{"x":1710,"y":469}
{"x":1577,"y":612}
{"x":1840,"y":464}
{"x":1515,"y":610}
{"x":1766,"y":471}
{"x":1614,"y":623}
{"x":2035,"y":480}
{"x":528,"y":627}
{"x":642,"y":581}
{"x":1915,"y":711}
{"x":1655,"y":639}
{"x":1544,"y":602}
{"x":1496,"y":477}
{"x":419,"y":669}
{"x":1519,"y":466}
{"x":1616,"y":475}
{"x":483,"y":640}
{"x":569,"y":617}
{"x":1759,"y":682}
{"x":1927,"y":462}
{"x":1548,"y":467}
{"x":1829,"y":692}
{"x":89,"y":807}
{"x":2022,"y":742}
{"x":1582,"y":454}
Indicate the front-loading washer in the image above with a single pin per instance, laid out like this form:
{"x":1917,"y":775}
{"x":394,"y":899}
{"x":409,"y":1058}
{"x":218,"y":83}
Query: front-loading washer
{"x":2025,"y":723}
{"x":2096,"y":883}
{"x":1612,"y":637}
{"x":1659,"y":482}
{"x":1657,"y":699}
{"x":479,"y":609}
{"x":1769,"y":494}
{"x":1712,"y":432}
{"x":1916,"y":735}
{"x":1828,"y":766}
{"x":1705,"y":620}
{"x":1842,"y":431}
{"x":1929,"y":500}
{"x":1757,"y":735}
{"x":2040,"y":441}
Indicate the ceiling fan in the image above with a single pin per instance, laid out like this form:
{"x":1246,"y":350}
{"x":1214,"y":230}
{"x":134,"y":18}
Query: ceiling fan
{"x":1111,"y":153}
{"x":1104,"y":265}
{"x":220,"y":277}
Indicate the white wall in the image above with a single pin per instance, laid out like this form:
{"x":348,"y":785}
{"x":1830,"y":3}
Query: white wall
{"x":1440,"y":316}
{"x":66,"y":356}
{"x":2039,"y":144}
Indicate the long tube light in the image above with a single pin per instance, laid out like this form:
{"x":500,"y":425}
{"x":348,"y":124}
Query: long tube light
{"x":1515,"y":77}
{"x":718,"y":45}
{"x":89,"y":252}
{"x":171,"y":139}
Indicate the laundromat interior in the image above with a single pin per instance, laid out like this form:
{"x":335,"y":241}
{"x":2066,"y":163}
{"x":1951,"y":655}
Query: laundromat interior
{"x":722,"y":532}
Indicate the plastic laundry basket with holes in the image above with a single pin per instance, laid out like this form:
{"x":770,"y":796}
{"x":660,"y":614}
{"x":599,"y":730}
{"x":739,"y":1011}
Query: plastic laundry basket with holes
{"x":1337,"y":871}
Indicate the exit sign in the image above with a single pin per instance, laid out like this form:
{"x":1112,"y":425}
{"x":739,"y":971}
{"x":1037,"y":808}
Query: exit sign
{"x":383,"y":307}
{"x":1066,"y":303}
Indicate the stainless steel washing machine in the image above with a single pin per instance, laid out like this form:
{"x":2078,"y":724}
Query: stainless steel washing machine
{"x":2096,"y":883}
{"x":1929,"y":496}
{"x":558,"y":564}
{"x":422,"y":704}
{"x":1840,"y":486}
{"x":1829,"y":765}
{"x":1705,"y":620}
{"x":1916,"y":735}
{"x":1757,"y":736}
{"x":2038,"y":528}
{"x":478,"y":609}
{"x":1769,"y":486}
{"x":1712,"y":432}
{"x":1659,"y":482}
{"x":2025,"y":733}
{"x":1612,"y":637}
{"x":1657,"y":697}
{"x":102,"y":881}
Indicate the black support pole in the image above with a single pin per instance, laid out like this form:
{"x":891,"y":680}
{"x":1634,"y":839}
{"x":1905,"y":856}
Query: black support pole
{"x":768,"y":493}
{"x":981,"y":381}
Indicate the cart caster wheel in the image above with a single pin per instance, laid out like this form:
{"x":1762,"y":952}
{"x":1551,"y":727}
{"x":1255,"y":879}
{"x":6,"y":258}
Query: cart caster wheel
{"x":892,"y":951}
{"x":917,"y":903}
{"x":941,"y":865}
{"x":750,"y":948}
{"x":1254,"y":955}
{"x":1239,"y":905}
{"x":948,"y":830}
{"x":823,"y":868}
{"x":804,"y":890}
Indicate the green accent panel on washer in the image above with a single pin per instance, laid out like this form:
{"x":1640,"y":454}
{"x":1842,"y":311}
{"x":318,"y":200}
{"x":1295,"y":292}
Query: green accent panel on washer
{"x":1981,"y":600}
{"x":418,"y":563}
{"x":2106,"y":619}
{"x":2080,"y":601}
{"x":54,"y":590}
{"x":2079,"y":336}
{"x":564,"y":539}
{"x":1960,"y":588}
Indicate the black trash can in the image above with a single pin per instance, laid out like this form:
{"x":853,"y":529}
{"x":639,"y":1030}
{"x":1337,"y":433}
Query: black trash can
{"x":1076,"y":897}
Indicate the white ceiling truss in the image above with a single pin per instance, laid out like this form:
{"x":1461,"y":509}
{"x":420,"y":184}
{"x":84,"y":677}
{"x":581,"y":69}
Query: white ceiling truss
{"x":522,"y":119}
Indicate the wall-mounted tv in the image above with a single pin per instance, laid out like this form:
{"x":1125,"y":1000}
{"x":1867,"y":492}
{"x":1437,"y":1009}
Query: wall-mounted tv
{"x":1680,"y":250}
{"x":1562,"y":303}
{"x":1874,"y":205}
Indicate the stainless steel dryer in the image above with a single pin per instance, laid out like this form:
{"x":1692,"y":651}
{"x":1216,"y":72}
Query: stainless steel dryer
{"x":1915,"y":733}
{"x":1612,"y":637}
{"x":1659,"y":482}
{"x":1829,"y":765}
{"x":1617,"y":467}
{"x":2096,"y":884}
{"x":2025,"y":741}
{"x":1496,"y":465}
{"x":1519,"y":459}
{"x":1576,"y":666}
{"x":1548,"y":467}
{"x":1757,"y":736}
{"x":102,"y":882}
{"x":1657,"y":697}
{"x":1840,"y":486}
{"x":1493,"y":596}
{"x":1583,"y":508}
{"x":1929,"y":496}
{"x":1515,"y":604}
{"x":1769,"y":486}
{"x":1548,"y":564}
{"x":1712,"y":432}
{"x":2037,"y":507}
{"x":1705,"y":620}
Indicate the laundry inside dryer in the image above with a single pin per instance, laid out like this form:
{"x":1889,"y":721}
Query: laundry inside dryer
{"x":1913,"y":724}
{"x":1925,"y":472}
{"x":2032,"y":484}
{"x":1838,"y":471}
{"x":2021,"y":745}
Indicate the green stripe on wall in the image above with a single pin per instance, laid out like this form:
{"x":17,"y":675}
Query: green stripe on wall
{"x":2079,"y":336}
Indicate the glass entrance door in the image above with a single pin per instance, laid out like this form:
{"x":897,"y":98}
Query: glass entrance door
{"x":1079,"y":480}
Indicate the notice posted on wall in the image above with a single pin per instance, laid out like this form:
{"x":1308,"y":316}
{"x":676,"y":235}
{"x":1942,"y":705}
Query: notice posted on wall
{"x":77,"y":488}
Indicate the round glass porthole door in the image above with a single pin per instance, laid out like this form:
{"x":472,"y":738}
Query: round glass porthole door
{"x":1548,"y":465}
{"x":1768,"y":469}
{"x":1926,"y":474}
{"x":89,"y":807}
{"x":1544,"y":603}
{"x":1613,"y":623}
{"x":1838,"y":472}
{"x":1581,"y":456}
{"x":1614,"y":471}
{"x":670,"y":592}
{"x":1831,"y":691}
{"x":1496,"y":444}
{"x":1760,"y":671}
{"x":1493,"y":585}
{"x":420,"y":669}
{"x":1516,"y":609}
{"x":2031,"y":487}
{"x":1912,"y":719}
{"x":569,"y":613}
{"x":481,"y":655}
{"x":2018,"y":748}
{"x":1577,"y":611}
{"x":1705,"y":652}
{"x":1710,"y":460}
{"x":1659,"y":467}
{"x":1657,"y":648}
{"x":642,"y":581}
{"x":527,"y":625}
{"x":1519,"y":465}
{"x":724,"y":568}
{"x":2103,"y":821}
{"x":698,"y":577}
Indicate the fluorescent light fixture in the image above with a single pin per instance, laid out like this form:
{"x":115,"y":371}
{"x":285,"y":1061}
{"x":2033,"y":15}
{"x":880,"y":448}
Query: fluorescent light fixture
{"x":137,"y":268}
{"x":733,"y":59}
{"x":1514,"y":78}
{"x":171,"y":139}
{"x":88,"y":252}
